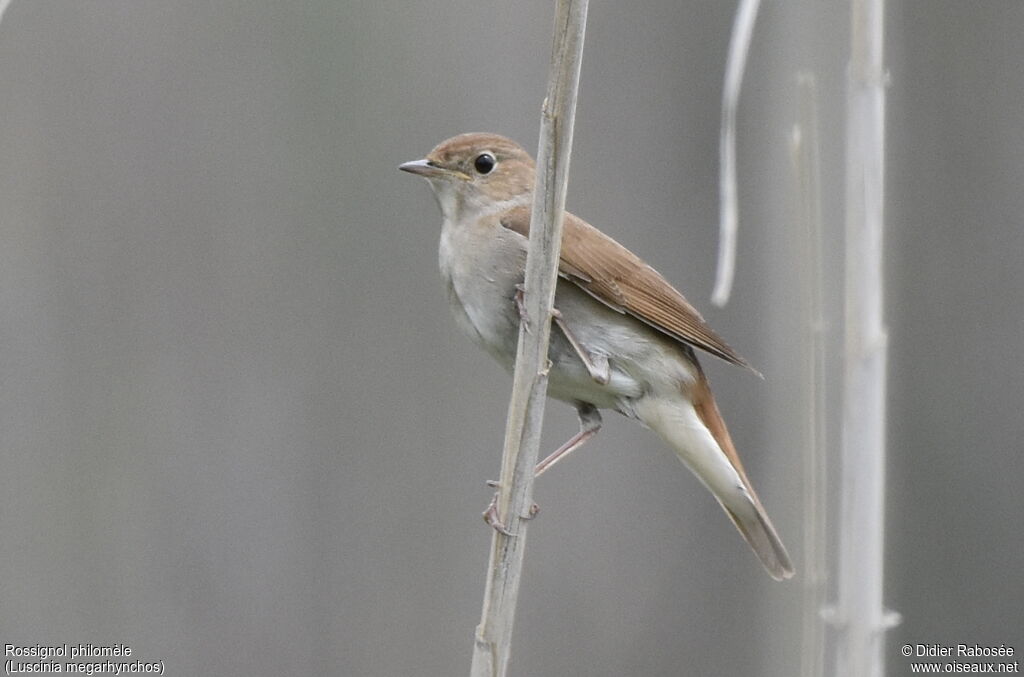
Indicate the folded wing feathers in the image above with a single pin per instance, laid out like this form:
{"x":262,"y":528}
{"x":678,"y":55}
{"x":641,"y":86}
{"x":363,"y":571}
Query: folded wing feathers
{"x":618,"y":278}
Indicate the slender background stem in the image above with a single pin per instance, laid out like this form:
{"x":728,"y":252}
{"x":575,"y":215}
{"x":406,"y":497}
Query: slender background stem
{"x":4,"y":4}
{"x":739,"y":47}
{"x":806,"y":158}
{"x":860,"y":615}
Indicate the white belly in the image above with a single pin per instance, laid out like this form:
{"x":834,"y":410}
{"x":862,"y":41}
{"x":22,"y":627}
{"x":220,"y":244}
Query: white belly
{"x":480,"y":295}
{"x":481,"y":285}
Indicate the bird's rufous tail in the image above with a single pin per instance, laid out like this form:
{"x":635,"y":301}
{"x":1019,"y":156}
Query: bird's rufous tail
{"x":694,"y":428}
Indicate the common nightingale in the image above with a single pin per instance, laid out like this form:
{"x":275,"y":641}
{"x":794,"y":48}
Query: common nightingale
{"x":622,"y":338}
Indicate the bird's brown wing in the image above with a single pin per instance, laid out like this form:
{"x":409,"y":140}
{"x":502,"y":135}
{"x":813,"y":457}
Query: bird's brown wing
{"x":618,"y":278}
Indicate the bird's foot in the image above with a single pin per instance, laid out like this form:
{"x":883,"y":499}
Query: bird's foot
{"x":492,"y":518}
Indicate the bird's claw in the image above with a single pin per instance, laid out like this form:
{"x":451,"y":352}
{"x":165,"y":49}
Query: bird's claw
{"x":492,"y":518}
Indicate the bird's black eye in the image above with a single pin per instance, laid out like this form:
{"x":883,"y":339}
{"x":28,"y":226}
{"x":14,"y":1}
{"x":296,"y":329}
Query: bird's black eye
{"x":484,"y":163}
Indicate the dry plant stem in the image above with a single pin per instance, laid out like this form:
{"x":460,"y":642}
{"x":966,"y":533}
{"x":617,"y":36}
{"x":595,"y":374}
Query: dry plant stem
{"x":806,"y":163}
{"x":739,"y":47}
{"x":491,"y":648}
{"x":860,"y":617}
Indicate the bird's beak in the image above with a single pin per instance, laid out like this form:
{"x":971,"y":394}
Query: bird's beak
{"x":424,"y":168}
{"x":429,"y":170}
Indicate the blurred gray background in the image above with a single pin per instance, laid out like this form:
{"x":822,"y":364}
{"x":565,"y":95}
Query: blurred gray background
{"x":241,"y":434}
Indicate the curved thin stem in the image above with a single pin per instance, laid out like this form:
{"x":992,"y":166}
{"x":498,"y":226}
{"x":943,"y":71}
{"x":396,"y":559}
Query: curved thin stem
{"x":739,"y":46}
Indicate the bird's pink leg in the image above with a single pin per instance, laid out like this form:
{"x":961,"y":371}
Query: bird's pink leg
{"x":590,"y":423}
{"x":597,"y":365}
